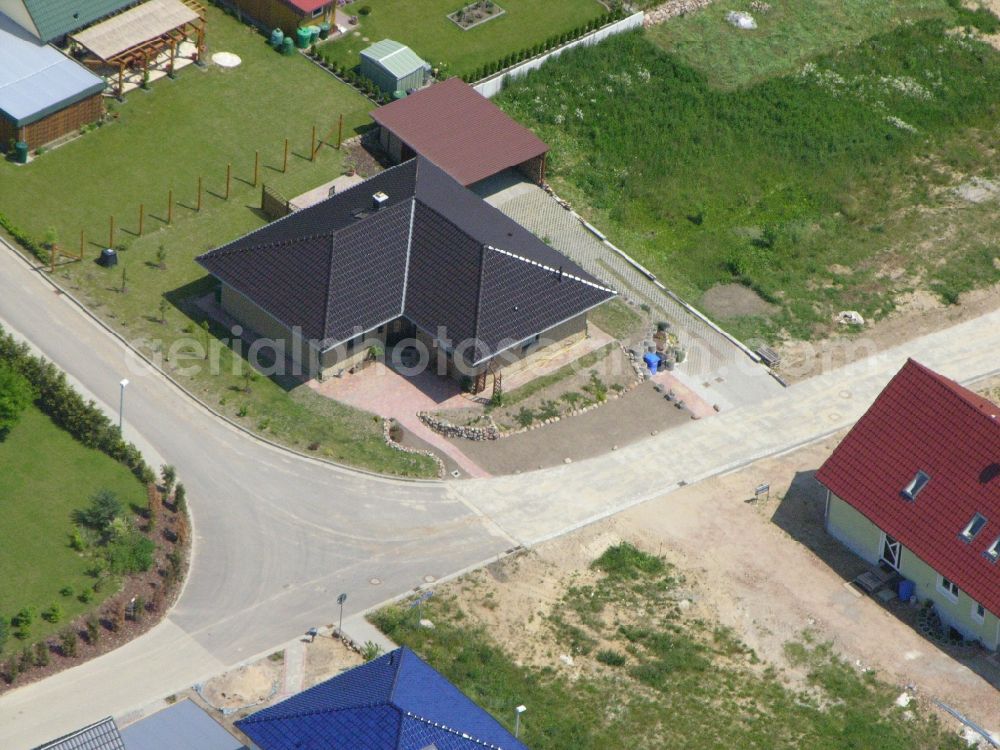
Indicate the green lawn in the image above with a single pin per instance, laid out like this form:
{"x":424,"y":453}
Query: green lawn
{"x":165,"y":139}
{"x":425,"y":28}
{"x":45,"y":475}
{"x":830,"y":189}
{"x":791,"y":33}
{"x":647,"y":675}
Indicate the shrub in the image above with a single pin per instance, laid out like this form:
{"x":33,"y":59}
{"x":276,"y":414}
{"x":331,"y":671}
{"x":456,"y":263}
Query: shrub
{"x":41,"y":653}
{"x":15,"y":396}
{"x":104,"y":508}
{"x":496,"y":400}
{"x":611,"y":657}
{"x":130,"y":553}
{"x":67,"y":643}
{"x":86,"y":596}
{"x":169,"y":475}
{"x":364,"y":10}
{"x":180,"y":497}
{"x":370,"y":650}
{"x":53,"y":613}
{"x":93,"y":630}
{"x":66,"y":591}
{"x":525,"y":417}
{"x":25,"y":617}
{"x":27,"y":659}
{"x":624,"y":560}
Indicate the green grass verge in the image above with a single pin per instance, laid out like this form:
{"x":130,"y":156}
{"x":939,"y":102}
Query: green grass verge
{"x":165,"y":139}
{"x":566,"y":371}
{"x":45,"y":475}
{"x":792,"y":32}
{"x":615,"y":318}
{"x":425,"y":28}
{"x":668,"y":680}
{"x":810,"y":189}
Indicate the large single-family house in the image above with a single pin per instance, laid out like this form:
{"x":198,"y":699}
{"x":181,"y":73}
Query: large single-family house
{"x":915,"y":487}
{"x":407,"y":256}
{"x":394,"y":702}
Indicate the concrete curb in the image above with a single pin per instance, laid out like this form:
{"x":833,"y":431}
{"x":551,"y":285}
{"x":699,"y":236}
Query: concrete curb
{"x":170,"y":379}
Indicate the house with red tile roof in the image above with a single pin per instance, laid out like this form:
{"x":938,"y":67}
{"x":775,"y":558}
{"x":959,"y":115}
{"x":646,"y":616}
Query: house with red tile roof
{"x":286,"y":15}
{"x":915,"y":487}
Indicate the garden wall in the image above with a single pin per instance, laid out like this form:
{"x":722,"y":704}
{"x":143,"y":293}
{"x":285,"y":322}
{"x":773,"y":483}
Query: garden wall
{"x":491,"y":86}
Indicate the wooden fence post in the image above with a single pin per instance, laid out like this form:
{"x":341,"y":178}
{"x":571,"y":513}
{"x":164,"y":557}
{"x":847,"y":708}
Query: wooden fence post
{"x":285,"y":167}
{"x":142,"y":217}
{"x":340,"y":132}
{"x":199,"y":193}
{"x":170,"y":206}
{"x":256,"y":168}
{"x":111,"y":232}
{"x":81,"y":244}
{"x":229,"y":178}
{"x":312,"y":152}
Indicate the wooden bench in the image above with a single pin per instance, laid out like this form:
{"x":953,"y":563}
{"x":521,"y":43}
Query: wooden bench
{"x":770,"y":357}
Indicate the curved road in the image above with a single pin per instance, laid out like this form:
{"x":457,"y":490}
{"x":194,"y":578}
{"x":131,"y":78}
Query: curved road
{"x":278,"y":536}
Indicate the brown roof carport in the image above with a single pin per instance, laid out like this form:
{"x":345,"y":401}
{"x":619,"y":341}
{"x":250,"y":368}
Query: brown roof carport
{"x":460,"y":130}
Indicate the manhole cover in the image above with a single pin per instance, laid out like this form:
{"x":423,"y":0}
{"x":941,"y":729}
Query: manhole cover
{"x":375,"y":581}
{"x":456,"y":473}
{"x":429,"y":579}
{"x":226,"y":59}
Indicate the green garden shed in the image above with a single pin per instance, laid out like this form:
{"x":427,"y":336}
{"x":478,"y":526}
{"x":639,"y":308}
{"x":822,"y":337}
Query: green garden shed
{"x":393,"y":66}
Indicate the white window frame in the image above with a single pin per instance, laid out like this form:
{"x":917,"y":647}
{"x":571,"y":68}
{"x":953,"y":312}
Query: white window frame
{"x":976,"y":617}
{"x":319,"y":11}
{"x":967,"y":533}
{"x":916,"y":485}
{"x":993,"y":551}
{"x":952,"y":591}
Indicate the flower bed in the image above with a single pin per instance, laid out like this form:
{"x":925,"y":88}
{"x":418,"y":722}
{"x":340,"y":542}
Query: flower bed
{"x":476,"y":13}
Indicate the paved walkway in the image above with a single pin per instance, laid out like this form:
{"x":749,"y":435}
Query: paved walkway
{"x":715,"y":367}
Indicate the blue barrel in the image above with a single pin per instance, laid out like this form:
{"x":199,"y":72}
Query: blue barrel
{"x":277,"y":37}
{"x":906,"y":590}
{"x":652,"y":360}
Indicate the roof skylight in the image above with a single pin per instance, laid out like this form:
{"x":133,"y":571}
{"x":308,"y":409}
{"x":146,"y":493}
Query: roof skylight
{"x":974,"y":527}
{"x":916,"y":484}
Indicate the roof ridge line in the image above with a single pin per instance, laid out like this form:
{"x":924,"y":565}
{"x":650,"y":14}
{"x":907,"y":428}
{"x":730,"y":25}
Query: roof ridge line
{"x":958,"y":390}
{"x":446,"y":728}
{"x":550,"y":268}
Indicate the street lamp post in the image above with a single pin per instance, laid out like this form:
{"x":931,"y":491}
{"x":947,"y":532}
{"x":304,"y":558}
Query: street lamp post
{"x":121,"y":403}
{"x":340,"y":600}
{"x":517,"y":719}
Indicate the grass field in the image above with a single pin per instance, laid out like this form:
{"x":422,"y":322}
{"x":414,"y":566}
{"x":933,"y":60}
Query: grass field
{"x":647,"y":675}
{"x":829,"y":189}
{"x":792,"y":32}
{"x":45,"y":475}
{"x":165,"y":139}
{"x":425,"y":28}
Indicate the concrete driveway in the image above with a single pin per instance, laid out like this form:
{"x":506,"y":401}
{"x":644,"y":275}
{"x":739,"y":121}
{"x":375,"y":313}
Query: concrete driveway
{"x":278,"y":535}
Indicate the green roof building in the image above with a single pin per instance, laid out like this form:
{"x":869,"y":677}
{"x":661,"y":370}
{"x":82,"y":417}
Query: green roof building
{"x":51,"y":19}
{"x":393,"y":66}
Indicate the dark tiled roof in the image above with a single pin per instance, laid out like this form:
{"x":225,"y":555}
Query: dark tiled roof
{"x":438,"y":255}
{"x":395,"y":702}
{"x":925,"y":422}
{"x":460,"y":130}
{"x":101,"y":735}
{"x":53,"y":18}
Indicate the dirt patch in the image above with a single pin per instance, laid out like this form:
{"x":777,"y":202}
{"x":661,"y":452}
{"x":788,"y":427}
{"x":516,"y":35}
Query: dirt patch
{"x":725,"y":301}
{"x":793,"y":581}
{"x":916,"y":314}
{"x":327,"y":657}
{"x":249,"y":685}
{"x":621,"y":421}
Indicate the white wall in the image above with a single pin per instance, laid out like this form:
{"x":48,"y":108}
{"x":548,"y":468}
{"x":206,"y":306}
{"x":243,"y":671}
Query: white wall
{"x":491,"y":86}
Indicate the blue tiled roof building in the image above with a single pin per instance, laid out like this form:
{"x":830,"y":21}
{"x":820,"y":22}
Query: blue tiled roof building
{"x":395,"y":702}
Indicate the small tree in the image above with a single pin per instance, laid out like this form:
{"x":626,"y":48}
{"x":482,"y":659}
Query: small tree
{"x":180,"y":499}
{"x":41,"y":654}
{"x":16,"y":394}
{"x":140,"y":609}
{"x":124,"y":287}
{"x":67,"y":643}
{"x":206,"y":335}
{"x":11,"y":670}
{"x":27,"y":660}
{"x":164,"y":306}
{"x":169,"y":476}
{"x":53,"y":613}
{"x":104,"y":508}
{"x":117,"y":616}
{"x":93,"y":630}
{"x":161,"y":257}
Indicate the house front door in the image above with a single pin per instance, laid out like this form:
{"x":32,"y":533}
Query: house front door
{"x":890,"y":552}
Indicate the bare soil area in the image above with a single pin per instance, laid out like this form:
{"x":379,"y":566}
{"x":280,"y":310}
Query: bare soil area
{"x":632,"y":417}
{"x":917,"y":313}
{"x":766,"y":569}
{"x":251,"y":684}
{"x":724,"y":301}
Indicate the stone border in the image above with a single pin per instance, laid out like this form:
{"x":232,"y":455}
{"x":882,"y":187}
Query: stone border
{"x":477,"y":23}
{"x":386,"y":424}
{"x":468,"y":432}
{"x":673,"y":9}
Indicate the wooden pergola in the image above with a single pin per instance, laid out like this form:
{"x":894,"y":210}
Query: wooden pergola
{"x":130,"y":40}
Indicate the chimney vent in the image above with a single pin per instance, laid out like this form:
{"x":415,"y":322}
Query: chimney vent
{"x":379,"y":200}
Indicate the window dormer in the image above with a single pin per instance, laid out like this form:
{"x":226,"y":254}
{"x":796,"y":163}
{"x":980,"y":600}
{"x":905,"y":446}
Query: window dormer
{"x":974,"y":527}
{"x":993,"y":551}
{"x":916,"y":484}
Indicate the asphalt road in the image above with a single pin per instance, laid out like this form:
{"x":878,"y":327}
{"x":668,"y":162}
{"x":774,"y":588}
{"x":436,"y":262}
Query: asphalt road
{"x":278,"y":536}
